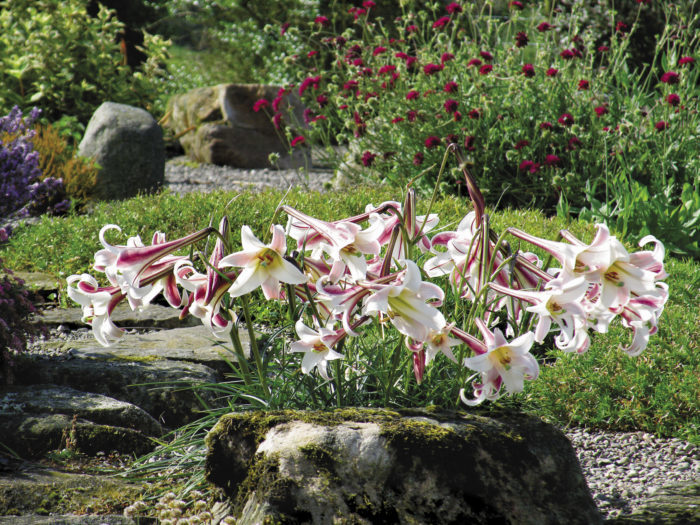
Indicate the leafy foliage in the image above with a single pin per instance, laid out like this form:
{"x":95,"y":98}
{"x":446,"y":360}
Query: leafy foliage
{"x":59,"y":58}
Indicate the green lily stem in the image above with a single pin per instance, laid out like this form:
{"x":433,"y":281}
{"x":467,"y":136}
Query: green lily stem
{"x":336,"y":375}
{"x":254,"y":350}
{"x":240,"y":355}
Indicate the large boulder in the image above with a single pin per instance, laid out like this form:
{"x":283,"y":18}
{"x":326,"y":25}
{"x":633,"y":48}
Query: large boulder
{"x":217,"y":125}
{"x":380,"y":466}
{"x":128,"y":145}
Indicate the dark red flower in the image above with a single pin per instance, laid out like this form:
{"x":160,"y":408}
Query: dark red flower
{"x":277,"y":120}
{"x":485,"y":69}
{"x":309,"y":82}
{"x":369,"y":4}
{"x":366,"y":72}
{"x":530,"y":166}
{"x":544,"y":26}
{"x":583,"y":85}
{"x":412,"y":95}
{"x":410,"y":61}
{"x":529,"y":70}
{"x":574,"y":142}
{"x":388,"y":68}
{"x":521,"y":144}
{"x":297,"y":140}
{"x":469,"y":142}
{"x":670,"y":77}
{"x":474,"y":114}
{"x":673,"y":99}
{"x":396,"y":120}
{"x":474,"y":62}
{"x":451,"y":87}
{"x":621,"y":27}
{"x":318,"y":117}
{"x":432,"y":142}
{"x":322,"y":21}
{"x":340,"y":41}
{"x":566,"y":119}
{"x":368,"y":158}
{"x":517,"y":5}
{"x":446,"y":57}
{"x":343,"y":106}
{"x":284,"y":27}
{"x":355,"y":51}
{"x":685,"y":60}
{"x":552,"y":160}
{"x":486,"y":55}
{"x":412,"y":28}
{"x":418,"y":159}
{"x":453,"y":7}
{"x":441,"y":22}
{"x":431,"y":69}
{"x":521,"y":39}
{"x":357,"y":118}
{"x":552,"y":72}
{"x":603,"y":49}
{"x":350,"y":85}
{"x":661,"y":125}
{"x":451,"y":139}
{"x":378,"y":50}
{"x":411,"y":115}
{"x":600,"y":110}
{"x":260,"y":103}
{"x":322,"y":100}
{"x":567,"y":54}
{"x":546,"y":125}
{"x":457,"y":116}
{"x":451,"y":105}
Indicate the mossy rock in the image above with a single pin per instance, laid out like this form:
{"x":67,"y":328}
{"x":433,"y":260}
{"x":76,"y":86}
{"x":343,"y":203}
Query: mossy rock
{"x":404,"y":466}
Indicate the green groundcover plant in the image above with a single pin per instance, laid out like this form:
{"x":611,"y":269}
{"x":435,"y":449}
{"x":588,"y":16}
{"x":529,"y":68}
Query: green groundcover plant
{"x":549,"y":115}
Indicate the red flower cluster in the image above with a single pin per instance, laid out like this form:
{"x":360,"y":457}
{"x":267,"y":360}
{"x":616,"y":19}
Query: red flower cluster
{"x":521,"y":39}
{"x":529,"y":166}
{"x":309,"y":82}
{"x":431,"y":69}
{"x":600,"y":110}
{"x":529,"y":70}
{"x":441,"y":22}
{"x":485,"y":69}
{"x":368,"y":158}
{"x":670,"y":77}
{"x":673,"y":99}
{"x":297,"y":140}
{"x":432,"y":142}
{"x":451,"y":105}
{"x":552,"y":72}
{"x":566,"y":119}
{"x":412,"y":95}
{"x":322,"y":21}
{"x":260,"y":103}
{"x":453,"y":7}
{"x":451,"y":87}
{"x":685,"y":60}
{"x":544,"y":26}
{"x":661,"y":125}
{"x":583,"y":85}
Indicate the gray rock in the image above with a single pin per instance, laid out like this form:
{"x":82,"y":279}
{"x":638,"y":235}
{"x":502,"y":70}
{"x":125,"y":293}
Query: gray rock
{"x":45,"y":491}
{"x":51,"y":399}
{"x":161,"y":387}
{"x":194,"y":345}
{"x":380,"y":466}
{"x":217,"y":125}
{"x":32,"y":435}
{"x":677,"y":504}
{"x":154,"y":316}
{"x":128,"y":145}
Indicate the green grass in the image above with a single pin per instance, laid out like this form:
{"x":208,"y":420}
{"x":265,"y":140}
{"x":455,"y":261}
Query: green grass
{"x":656,"y":392}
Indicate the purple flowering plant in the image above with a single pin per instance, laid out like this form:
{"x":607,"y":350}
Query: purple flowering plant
{"x":22,"y":191}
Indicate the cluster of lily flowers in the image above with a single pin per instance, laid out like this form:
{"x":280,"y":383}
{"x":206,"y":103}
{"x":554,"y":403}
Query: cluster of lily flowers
{"x":348,"y":275}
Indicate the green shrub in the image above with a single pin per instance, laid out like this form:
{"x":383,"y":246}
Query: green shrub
{"x":57,"y":57}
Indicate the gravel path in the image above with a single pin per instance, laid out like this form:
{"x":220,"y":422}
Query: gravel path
{"x":182,"y":176}
{"x":621,"y":468}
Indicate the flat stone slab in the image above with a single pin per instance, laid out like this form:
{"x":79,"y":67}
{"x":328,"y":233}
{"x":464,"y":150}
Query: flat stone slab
{"x":38,"y":493}
{"x":52,"y":399}
{"x":155,"y":316}
{"x":193,"y":344}
{"x":33,"y":435}
{"x":43,"y":283}
{"x":161,"y":387}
